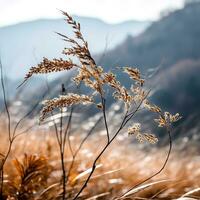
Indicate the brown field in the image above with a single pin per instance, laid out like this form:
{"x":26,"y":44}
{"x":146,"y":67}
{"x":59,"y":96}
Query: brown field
{"x":122,"y":166}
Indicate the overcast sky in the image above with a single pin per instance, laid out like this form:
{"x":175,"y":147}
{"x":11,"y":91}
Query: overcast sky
{"x":112,"y":11}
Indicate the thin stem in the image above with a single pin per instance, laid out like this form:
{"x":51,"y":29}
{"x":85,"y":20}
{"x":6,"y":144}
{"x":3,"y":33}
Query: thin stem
{"x":61,"y":127}
{"x":52,"y":114}
{"x":1,"y":189}
{"x":158,"y":172}
{"x":11,"y":140}
{"x":2,"y":167}
{"x":56,"y":129}
{"x":64,"y":175}
{"x":68,"y":134}
{"x":97,"y":158}
{"x":125,"y":120}
{"x":86,"y":137}
{"x":103,"y":100}
{"x":5,"y":102}
{"x":62,"y":148}
{"x":74,"y":155}
{"x":67,"y":128}
{"x":129,"y":116}
{"x":67,"y":137}
{"x":62,"y":151}
{"x":9,"y":131}
{"x":24,"y":117}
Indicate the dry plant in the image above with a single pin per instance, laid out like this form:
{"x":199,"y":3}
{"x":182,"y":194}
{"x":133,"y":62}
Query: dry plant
{"x":121,"y":166}
{"x":12,"y":132}
{"x":98,"y":80}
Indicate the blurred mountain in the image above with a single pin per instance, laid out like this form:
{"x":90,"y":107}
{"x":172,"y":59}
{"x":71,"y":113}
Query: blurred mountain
{"x":168,"y":52}
{"x":171,"y":48}
{"x":173,"y":38}
{"x":177,"y":89}
{"x":23,"y":45}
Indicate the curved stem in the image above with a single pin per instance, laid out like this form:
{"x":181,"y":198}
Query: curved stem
{"x":67,"y":131}
{"x":74,"y":155}
{"x":5,"y":101}
{"x":158,"y":172}
{"x":24,"y":117}
{"x":97,"y":158}
{"x":104,"y":117}
{"x":9,"y":131}
{"x":125,"y":120}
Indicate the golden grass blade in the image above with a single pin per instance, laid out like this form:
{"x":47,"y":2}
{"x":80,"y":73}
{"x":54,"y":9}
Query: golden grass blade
{"x":107,"y":173}
{"x":49,"y":188}
{"x":88,"y":171}
{"x":99,"y":195}
{"x":189,"y":193}
{"x":143,"y":187}
{"x":186,"y":198}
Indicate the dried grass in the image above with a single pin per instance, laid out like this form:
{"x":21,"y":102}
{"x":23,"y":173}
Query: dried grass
{"x":117,"y":170}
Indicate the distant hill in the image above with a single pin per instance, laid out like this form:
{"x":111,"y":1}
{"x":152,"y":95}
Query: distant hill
{"x":172,"y":39}
{"x":172,"y":46}
{"x":23,"y":45}
{"x":177,"y":89}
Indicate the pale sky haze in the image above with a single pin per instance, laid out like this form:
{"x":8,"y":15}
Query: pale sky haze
{"x":111,"y":11}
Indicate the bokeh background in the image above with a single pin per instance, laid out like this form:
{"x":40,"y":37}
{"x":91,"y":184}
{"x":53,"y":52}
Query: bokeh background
{"x":161,"y":38}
